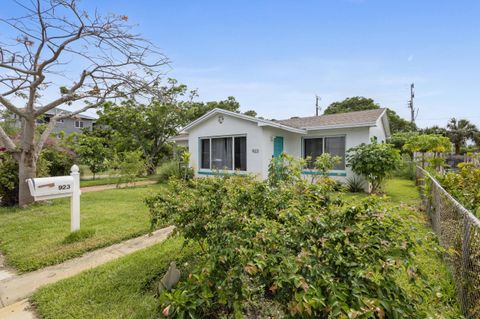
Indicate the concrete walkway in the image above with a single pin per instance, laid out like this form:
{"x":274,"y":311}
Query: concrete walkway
{"x":97,"y":188}
{"x":14,"y":290}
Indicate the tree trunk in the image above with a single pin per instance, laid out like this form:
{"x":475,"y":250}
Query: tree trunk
{"x":457,"y":148}
{"x":27,"y":163}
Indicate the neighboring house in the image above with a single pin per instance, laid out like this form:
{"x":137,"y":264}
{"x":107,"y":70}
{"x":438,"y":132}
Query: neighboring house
{"x":224,"y":142}
{"x":69,"y":125}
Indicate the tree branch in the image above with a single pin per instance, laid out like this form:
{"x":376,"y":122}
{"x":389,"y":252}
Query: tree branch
{"x":7,"y":141}
{"x":12,"y":108}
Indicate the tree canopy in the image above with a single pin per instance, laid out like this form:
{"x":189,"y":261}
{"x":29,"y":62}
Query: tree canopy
{"x":360,"y":103}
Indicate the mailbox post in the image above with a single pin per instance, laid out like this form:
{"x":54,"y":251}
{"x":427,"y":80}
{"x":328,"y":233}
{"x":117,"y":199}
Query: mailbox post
{"x":61,"y":186}
{"x":75,"y":200}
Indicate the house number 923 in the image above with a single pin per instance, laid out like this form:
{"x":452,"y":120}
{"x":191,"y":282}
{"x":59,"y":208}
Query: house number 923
{"x":63,"y":187}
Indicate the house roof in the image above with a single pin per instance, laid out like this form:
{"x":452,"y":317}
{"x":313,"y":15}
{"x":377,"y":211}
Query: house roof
{"x":350,"y":119}
{"x":59,"y":110}
{"x":302,"y":125}
{"x":260,"y":122}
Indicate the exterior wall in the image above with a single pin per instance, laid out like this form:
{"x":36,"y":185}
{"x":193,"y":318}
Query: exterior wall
{"x":67,"y":126}
{"x":261,"y":138}
{"x":378,"y":131}
{"x":231,"y":126}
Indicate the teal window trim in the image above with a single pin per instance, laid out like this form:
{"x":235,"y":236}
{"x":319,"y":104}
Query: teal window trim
{"x":222,"y":173}
{"x":331,"y":173}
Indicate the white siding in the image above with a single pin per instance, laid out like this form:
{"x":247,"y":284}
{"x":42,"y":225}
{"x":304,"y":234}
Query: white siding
{"x":378,"y":131}
{"x":231,"y":126}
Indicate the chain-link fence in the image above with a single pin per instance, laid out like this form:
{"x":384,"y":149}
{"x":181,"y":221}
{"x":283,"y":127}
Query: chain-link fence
{"x":458,"y":231}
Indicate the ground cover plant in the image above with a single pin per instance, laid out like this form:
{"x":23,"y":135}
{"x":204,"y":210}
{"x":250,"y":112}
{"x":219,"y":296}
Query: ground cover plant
{"x":126,"y":288}
{"x":38,"y":236}
{"x":290,"y":250}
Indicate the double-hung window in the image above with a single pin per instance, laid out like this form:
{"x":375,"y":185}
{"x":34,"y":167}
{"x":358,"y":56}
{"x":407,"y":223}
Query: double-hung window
{"x":334,"y":145}
{"x":224,"y":153}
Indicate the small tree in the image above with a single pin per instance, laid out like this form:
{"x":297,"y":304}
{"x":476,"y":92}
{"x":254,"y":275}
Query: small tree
{"x":373,"y":161}
{"x":93,"y":152}
{"x":130,"y":166}
{"x":427,"y":143}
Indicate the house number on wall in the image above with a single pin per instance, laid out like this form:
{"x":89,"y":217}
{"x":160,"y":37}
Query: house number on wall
{"x":255,"y":150}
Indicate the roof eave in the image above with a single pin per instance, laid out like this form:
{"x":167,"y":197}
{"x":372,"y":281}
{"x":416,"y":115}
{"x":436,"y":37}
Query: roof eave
{"x":328,"y":127}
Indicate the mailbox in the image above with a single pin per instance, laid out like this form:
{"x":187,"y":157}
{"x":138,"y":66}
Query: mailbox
{"x":51,"y":187}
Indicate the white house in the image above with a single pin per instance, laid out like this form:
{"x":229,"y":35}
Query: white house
{"x":225,"y":142}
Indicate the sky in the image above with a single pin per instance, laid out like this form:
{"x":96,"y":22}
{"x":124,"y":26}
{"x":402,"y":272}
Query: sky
{"x":275,"y":56}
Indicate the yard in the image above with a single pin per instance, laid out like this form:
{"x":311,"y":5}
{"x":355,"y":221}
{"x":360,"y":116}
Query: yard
{"x":126,"y":288}
{"x":38,"y":236}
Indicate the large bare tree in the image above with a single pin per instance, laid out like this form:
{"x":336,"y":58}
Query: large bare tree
{"x":59,"y":55}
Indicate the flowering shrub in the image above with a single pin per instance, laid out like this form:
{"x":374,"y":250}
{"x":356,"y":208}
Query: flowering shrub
{"x":289,"y":250}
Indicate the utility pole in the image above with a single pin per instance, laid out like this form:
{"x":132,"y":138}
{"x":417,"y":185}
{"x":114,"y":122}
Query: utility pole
{"x":410,"y":103}
{"x":317,"y":106}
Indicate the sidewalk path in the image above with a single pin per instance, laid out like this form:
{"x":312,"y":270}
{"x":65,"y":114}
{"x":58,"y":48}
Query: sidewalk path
{"x":97,"y":188}
{"x":18,"y":288}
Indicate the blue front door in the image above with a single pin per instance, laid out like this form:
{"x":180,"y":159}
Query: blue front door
{"x":277,"y":146}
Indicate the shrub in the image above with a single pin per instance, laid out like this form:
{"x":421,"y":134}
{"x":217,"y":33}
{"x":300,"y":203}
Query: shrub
{"x":288,"y":250}
{"x":174,"y":169}
{"x":9,"y":172}
{"x":130,"y":166}
{"x":374,"y":161}
{"x":355,"y":184}
{"x":406,"y":167}
{"x":58,"y":159}
{"x":8,"y":180}
{"x":285,"y":168}
{"x":463,"y":185}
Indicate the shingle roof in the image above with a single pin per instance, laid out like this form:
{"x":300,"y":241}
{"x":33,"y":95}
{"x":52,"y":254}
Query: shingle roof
{"x":368,"y":117}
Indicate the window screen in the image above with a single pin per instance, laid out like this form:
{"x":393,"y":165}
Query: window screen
{"x":336,"y":147}
{"x":312,"y":147}
{"x":222,"y":153}
{"x":241,"y":153}
{"x":205,"y":157}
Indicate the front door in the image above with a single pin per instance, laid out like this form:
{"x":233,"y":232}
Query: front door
{"x":277,"y":146}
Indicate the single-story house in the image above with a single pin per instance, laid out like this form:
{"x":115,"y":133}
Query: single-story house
{"x":225,"y":142}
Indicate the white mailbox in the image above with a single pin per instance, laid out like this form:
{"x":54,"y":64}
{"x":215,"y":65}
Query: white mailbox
{"x":61,"y":186}
{"x":51,"y":187}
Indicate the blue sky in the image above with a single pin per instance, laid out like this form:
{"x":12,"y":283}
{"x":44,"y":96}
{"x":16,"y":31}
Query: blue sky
{"x":274,"y":56}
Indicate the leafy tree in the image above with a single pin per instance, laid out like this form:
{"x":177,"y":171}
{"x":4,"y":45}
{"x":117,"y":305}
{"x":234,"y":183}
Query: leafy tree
{"x":112,"y":62}
{"x":360,"y":103}
{"x":147,"y":127}
{"x":250,"y":113}
{"x":200,"y":108}
{"x":459,"y":131}
{"x":434,"y":130}
{"x":130,"y":166}
{"x":398,"y":140}
{"x":373,"y":161}
{"x":93,"y":152}
{"x":427,"y":143}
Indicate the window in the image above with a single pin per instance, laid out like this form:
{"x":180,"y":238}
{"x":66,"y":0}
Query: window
{"x":224,"y":153}
{"x":78,"y":124}
{"x":334,"y":145}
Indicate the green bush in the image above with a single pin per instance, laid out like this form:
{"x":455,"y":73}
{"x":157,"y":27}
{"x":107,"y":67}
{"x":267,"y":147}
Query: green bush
{"x":8,"y":180}
{"x":374,"y":161}
{"x":58,"y":159}
{"x":9,"y":172}
{"x":130,"y":166}
{"x":355,"y":184}
{"x":288,"y":250}
{"x":464,"y":186}
{"x":406,"y":168}
{"x":174,"y":169}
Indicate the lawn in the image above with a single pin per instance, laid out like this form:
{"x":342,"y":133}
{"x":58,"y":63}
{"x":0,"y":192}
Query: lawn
{"x":36,"y":237}
{"x":123,"y":288}
{"x":111,"y":180}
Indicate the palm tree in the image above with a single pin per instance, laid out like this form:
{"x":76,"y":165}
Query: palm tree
{"x":460,"y":131}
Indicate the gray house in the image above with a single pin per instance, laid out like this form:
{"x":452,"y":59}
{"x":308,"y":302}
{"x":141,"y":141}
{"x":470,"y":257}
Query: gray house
{"x":69,"y":125}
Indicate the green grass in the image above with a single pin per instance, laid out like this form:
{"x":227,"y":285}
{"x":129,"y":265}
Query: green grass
{"x":430,"y":272}
{"x":111,"y":180}
{"x":124,"y":288}
{"x":36,"y":237}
